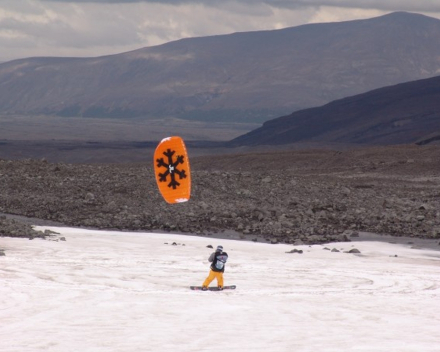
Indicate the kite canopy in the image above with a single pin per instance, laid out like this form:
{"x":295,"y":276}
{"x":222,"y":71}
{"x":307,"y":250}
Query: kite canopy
{"x":172,"y":170}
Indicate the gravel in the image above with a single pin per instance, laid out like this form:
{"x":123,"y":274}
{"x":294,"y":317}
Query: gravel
{"x":293,"y":197}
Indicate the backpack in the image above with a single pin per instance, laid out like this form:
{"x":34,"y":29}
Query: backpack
{"x":220,"y":261}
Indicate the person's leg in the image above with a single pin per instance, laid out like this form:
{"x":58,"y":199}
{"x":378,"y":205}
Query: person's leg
{"x":208,"y":280}
{"x":220,"y":280}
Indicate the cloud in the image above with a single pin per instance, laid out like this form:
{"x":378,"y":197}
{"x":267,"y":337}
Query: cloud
{"x":59,"y":28}
{"x":403,"y":5}
{"x":387,"y":5}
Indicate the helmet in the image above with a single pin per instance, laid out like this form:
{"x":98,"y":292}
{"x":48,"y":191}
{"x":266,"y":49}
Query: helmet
{"x":219,"y":249}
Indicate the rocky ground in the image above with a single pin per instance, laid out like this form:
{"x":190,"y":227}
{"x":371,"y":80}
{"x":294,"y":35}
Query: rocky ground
{"x":292,"y":197}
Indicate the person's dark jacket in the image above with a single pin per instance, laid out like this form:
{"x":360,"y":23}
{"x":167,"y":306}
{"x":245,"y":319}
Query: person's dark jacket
{"x":218,"y":260}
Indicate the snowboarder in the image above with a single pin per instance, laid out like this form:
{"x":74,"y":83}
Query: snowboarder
{"x":218,"y":260}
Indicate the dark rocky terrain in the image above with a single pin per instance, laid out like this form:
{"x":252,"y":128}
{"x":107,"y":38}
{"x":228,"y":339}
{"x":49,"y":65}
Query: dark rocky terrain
{"x":246,"y":77}
{"x":12,"y":226}
{"x":312,"y":196}
{"x":404,"y":113}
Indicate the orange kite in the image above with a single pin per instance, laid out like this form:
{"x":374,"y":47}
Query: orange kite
{"x":172,"y":170}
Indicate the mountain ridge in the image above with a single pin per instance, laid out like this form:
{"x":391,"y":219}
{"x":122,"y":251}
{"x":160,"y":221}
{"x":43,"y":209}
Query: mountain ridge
{"x":243,"y":76}
{"x":404,"y":113}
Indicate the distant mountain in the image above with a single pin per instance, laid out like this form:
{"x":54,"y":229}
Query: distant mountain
{"x":400,"y":114}
{"x":252,"y":76}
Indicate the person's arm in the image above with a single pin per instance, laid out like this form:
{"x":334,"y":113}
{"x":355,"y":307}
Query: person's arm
{"x":211,"y":257}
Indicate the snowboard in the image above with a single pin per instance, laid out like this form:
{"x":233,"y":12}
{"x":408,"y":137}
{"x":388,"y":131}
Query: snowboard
{"x":199,"y":288}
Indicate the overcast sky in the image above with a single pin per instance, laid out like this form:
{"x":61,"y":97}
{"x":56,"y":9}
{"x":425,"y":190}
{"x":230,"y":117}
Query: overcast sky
{"x":100,"y":27}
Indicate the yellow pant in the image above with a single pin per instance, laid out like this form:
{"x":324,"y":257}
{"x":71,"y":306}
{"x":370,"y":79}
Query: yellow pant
{"x":214,"y":275}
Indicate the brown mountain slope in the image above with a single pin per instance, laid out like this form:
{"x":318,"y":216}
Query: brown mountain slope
{"x":250,"y":76}
{"x":404,"y":113}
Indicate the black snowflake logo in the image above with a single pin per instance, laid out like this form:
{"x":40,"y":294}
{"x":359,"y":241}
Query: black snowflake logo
{"x":171,"y":168}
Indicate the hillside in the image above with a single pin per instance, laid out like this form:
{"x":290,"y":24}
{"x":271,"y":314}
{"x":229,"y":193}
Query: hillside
{"x":404,"y":113}
{"x":253,"y":76}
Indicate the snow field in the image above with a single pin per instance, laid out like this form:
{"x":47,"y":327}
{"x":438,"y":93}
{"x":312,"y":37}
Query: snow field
{"x":119,"y":291}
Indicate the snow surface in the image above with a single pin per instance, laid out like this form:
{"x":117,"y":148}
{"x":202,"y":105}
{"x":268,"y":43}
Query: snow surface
{"x":119,"y":291}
